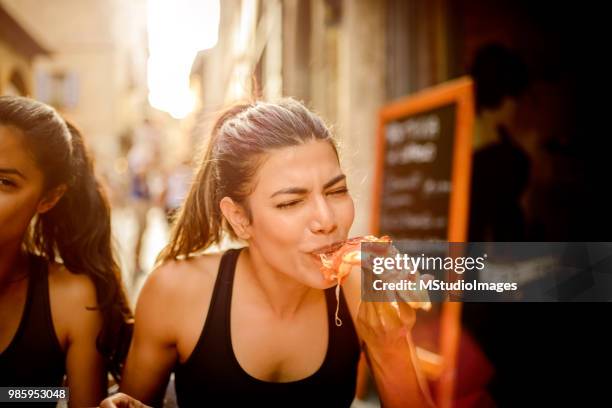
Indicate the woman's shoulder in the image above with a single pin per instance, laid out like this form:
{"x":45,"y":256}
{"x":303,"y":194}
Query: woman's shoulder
{"x":174,"y":290}
{"x":73,"y":304}
{"x":184,"y":273}
{"x":177,"y":282}
{"x":70,"y":287}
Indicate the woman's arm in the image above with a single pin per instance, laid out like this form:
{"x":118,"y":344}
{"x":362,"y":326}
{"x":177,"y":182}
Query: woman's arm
{"x":384,"y":333}
{"x":169,"y":308}
{"x":153,"y":350}
{"x":72,"y":298}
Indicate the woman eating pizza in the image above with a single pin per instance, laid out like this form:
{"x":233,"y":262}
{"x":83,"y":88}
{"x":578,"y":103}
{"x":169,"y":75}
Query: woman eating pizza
{"x":257,"y":324}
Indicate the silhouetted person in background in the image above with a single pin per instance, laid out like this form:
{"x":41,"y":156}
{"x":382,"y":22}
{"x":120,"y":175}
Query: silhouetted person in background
{"x":500,"y":175}
{"x":500,"y":171}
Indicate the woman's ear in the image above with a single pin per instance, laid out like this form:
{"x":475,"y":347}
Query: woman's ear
{"x":51,"y":198}
{"x":236,"y":216}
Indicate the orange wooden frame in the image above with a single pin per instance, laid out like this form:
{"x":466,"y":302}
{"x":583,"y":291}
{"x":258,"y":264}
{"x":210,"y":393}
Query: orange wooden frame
{"x":459,"y":92}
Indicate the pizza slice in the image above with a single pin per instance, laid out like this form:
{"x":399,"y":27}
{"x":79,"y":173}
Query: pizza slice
{"x":338,"y":262}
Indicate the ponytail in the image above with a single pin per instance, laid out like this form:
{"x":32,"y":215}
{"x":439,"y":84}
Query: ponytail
{"x":78,"y":229}
{"x":199,"y":223}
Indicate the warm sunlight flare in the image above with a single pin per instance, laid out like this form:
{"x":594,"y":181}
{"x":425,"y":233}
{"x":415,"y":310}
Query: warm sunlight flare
{"x":177,"y":30}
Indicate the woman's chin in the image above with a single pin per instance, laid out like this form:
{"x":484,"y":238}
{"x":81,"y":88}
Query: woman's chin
{"x":321,"y":283}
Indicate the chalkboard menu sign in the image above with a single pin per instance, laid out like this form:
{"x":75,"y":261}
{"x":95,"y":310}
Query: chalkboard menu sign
{"x":423,"y":164}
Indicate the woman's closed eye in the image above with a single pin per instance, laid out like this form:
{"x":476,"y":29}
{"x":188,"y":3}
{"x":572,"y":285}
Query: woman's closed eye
{"x":339,"y":191}
{"x":288,"y":204}
{"x":7,"y":183}
{"x":293,"y":203}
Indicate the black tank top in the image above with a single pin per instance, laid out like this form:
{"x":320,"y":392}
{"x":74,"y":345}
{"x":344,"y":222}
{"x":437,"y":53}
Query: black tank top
{"x":212,"y":374}
{"x":34,"y":357}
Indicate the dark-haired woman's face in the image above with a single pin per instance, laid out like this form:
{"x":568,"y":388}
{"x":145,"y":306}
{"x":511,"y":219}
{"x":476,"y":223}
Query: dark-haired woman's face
{"x":300,"y":205}
{"x":21,"y":186}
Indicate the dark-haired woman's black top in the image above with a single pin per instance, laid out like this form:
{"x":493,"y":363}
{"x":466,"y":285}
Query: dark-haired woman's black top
{"x":34,"y":357}
{"x":212,"y":375}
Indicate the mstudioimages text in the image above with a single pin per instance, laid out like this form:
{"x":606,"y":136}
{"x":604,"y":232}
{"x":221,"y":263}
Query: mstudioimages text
{"x":440,"y":285}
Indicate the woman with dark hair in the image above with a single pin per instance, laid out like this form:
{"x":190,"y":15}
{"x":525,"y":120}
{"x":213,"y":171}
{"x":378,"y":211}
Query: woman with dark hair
{"x":62,"y":306}
{"x":255,"y":326}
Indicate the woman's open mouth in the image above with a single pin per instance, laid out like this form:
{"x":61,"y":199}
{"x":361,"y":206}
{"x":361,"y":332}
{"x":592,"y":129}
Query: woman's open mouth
{"x":324,"y":254}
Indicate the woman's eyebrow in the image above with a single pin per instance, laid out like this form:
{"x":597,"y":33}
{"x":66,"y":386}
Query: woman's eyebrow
{"x":300,"y":190}
{"x":13,"y":172}
{"x":290,"y":190}
{"x":335,"y":180}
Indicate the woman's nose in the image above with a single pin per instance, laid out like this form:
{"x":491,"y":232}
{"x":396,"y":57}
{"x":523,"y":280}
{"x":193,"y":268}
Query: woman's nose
{"x":323,"y":218}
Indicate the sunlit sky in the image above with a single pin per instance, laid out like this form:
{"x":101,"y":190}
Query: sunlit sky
{"x":177,"y":30}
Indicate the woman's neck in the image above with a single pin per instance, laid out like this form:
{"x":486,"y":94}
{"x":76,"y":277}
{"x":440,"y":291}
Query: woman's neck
{"x":12,"y":264}
{"x":283,"y":294}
